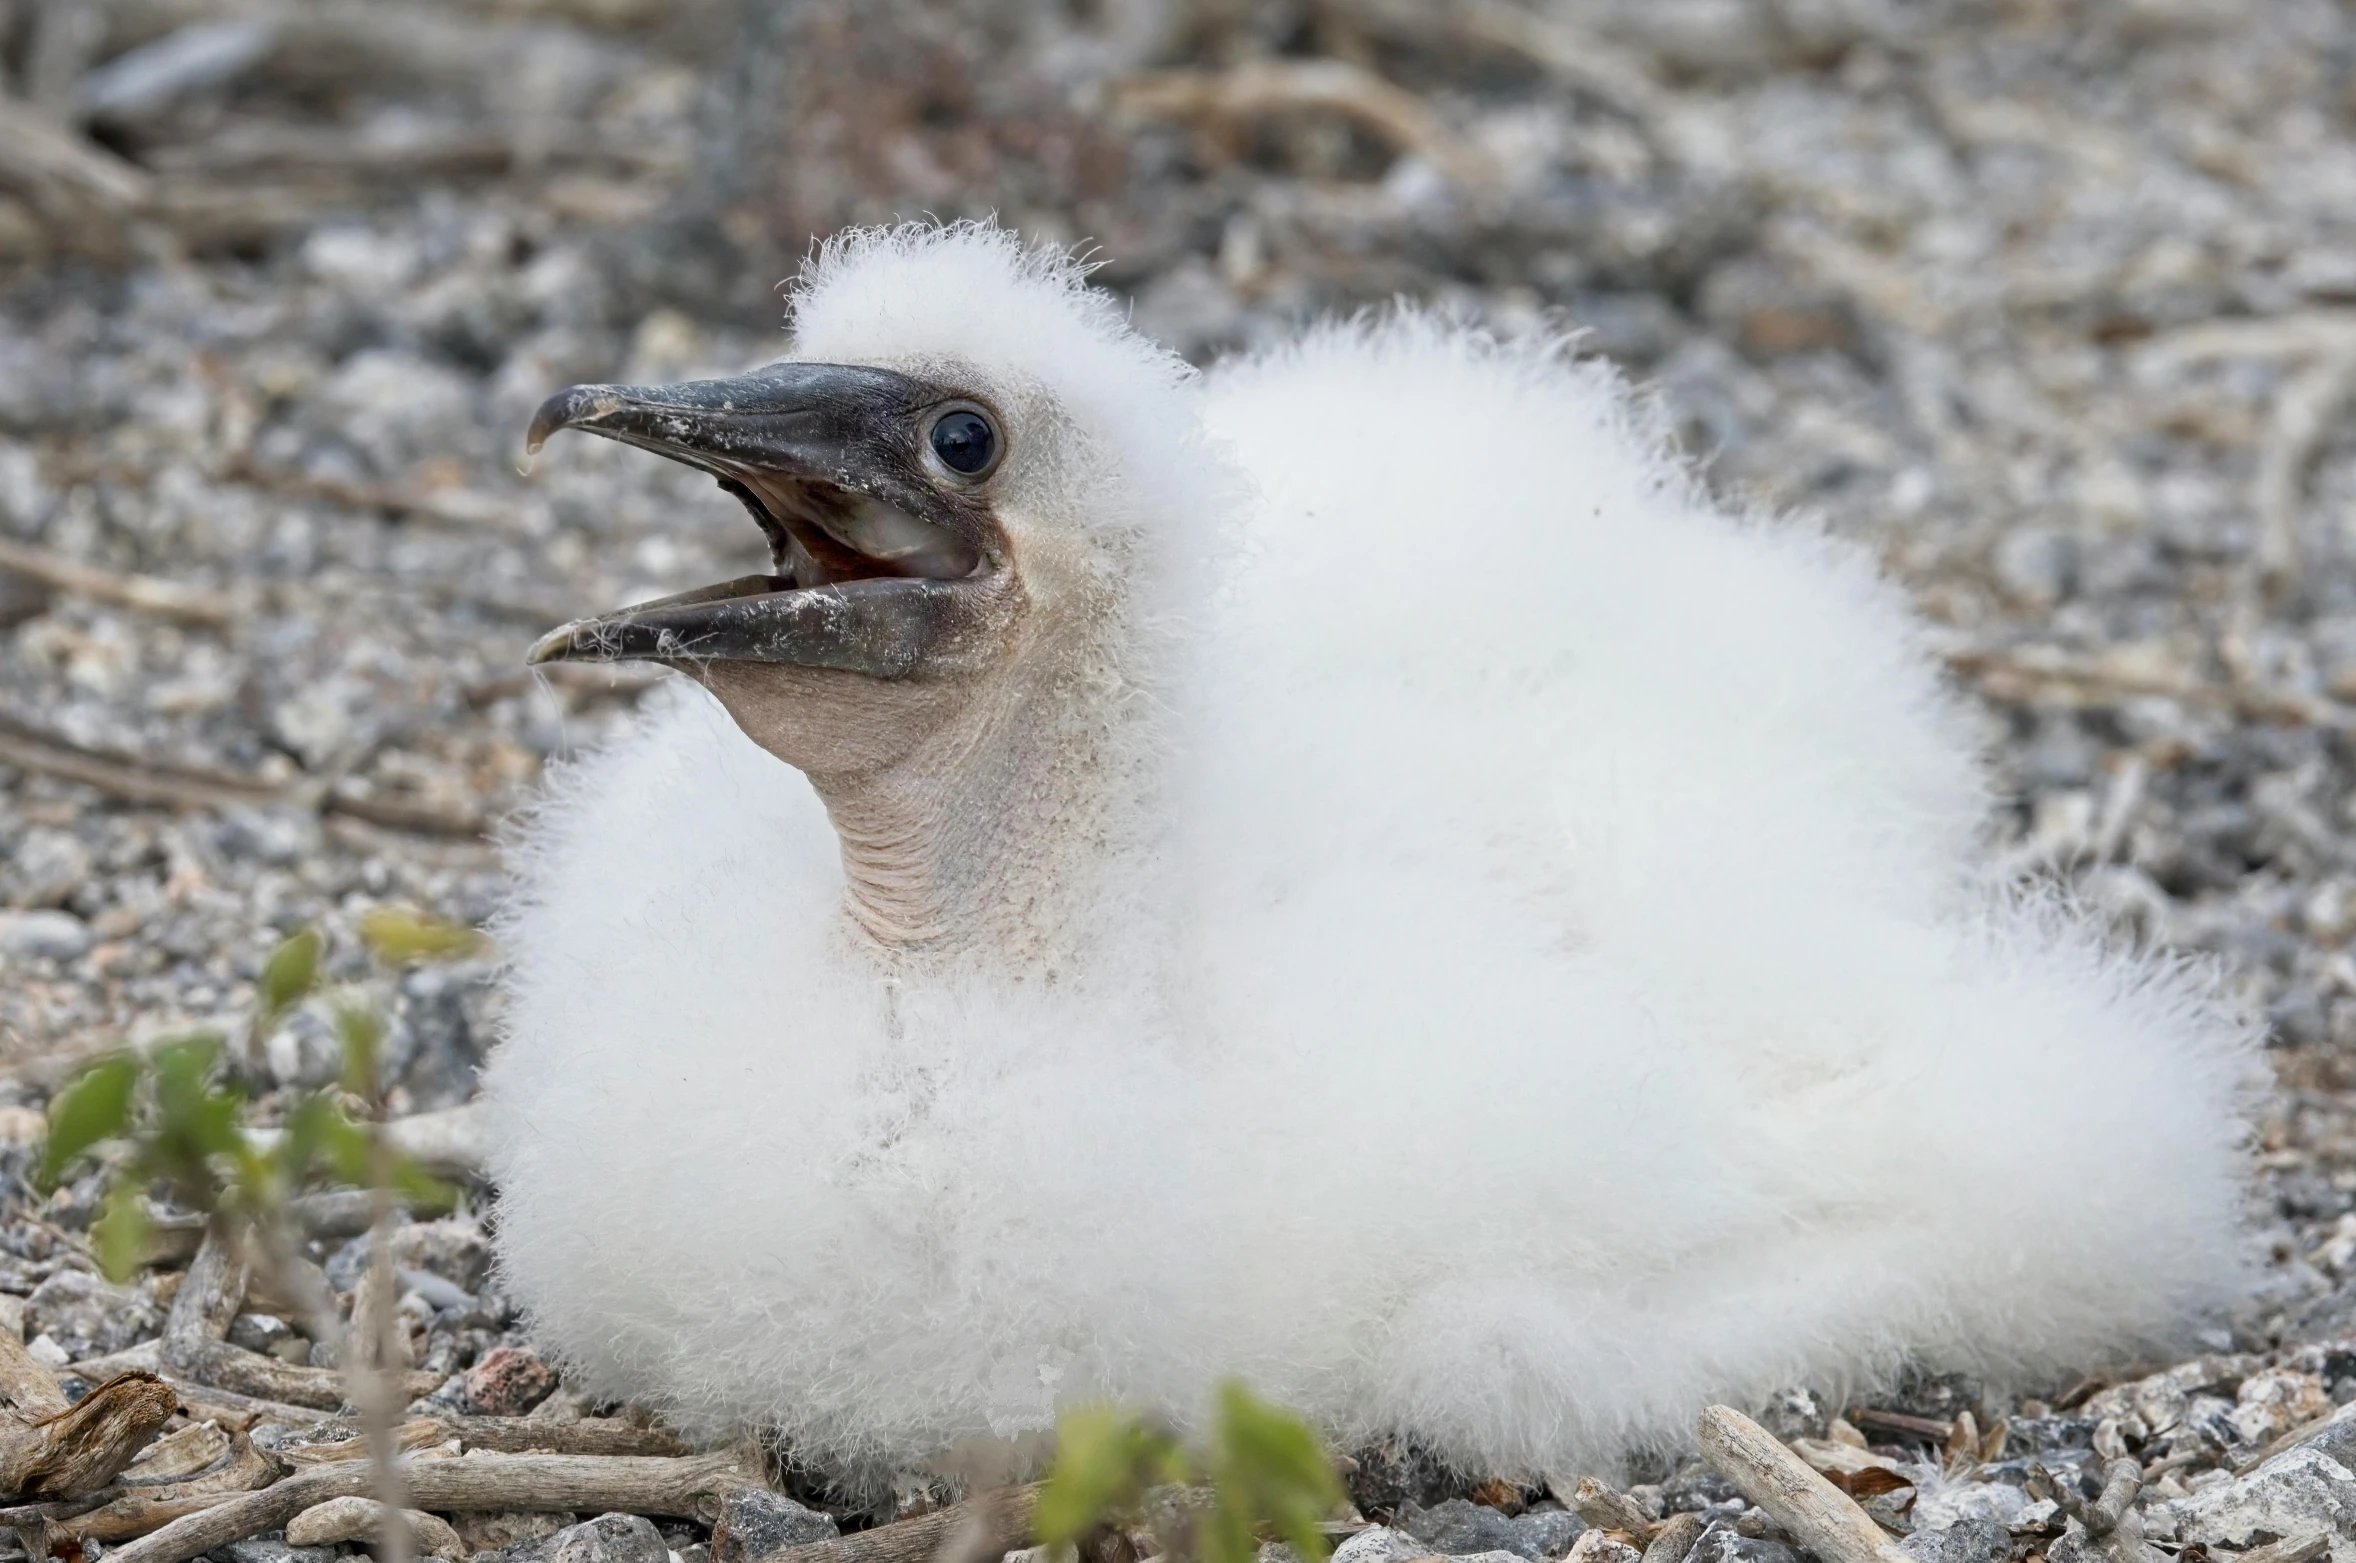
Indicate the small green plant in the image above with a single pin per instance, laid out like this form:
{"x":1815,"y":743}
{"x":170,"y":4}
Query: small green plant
{"x":180,"y":1116}
{"x":1260,"y":1472}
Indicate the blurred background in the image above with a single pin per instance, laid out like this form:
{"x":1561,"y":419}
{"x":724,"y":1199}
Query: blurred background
{"x":2052,"y":303}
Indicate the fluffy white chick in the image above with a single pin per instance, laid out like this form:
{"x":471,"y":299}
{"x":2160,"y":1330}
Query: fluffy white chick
{"x":1349,"y":870}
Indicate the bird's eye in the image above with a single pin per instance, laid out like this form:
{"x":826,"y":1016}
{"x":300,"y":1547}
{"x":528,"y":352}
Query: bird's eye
{"x":965,"y":442}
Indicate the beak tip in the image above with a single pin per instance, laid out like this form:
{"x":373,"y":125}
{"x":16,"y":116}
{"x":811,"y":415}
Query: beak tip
{"x":555,"y":646}
{"x":569,"y":408}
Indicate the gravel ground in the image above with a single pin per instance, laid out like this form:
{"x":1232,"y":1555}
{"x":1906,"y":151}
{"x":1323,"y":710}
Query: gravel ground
{"x":2050,"y":302}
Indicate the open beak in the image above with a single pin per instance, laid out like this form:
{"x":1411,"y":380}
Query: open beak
{"x":878,"y":568}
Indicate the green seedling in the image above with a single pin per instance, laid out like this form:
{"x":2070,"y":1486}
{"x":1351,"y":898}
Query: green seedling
{"x":1261,"y":1472}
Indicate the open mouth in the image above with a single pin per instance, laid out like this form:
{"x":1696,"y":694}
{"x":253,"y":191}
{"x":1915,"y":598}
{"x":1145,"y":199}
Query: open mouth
{"x":821,"y":535}
{"x":817,"y":454}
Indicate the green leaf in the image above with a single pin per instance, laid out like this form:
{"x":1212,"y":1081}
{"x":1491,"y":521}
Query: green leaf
{"x":302,"y":1140}
{"x":1105,"y":1459}
{"x":1270,"y":1472}
{"x":95,"y":1107}
{"x":288,"y":977}
{"x":118,"y":1238}
{"x":363,"y":1038}
{"x":184,"y":1069}
{"x":397,"y":937}
{"x":197,"y":1120}
{"x":348,"y":1150}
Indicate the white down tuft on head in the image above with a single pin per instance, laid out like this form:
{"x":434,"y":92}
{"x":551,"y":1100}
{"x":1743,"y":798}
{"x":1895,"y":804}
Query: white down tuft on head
{"x":1564,"y":991}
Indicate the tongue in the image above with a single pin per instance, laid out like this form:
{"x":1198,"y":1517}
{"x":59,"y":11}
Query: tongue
{"x":907,"y":546}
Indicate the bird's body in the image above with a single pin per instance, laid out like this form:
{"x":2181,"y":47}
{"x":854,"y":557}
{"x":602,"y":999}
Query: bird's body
{"x":1446,"y":925}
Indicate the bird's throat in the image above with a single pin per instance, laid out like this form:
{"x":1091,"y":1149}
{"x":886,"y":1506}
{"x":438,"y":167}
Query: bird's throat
{"x":987,"y":845}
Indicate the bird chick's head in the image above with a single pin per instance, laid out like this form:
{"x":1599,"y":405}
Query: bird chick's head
{"x":960,"y":472}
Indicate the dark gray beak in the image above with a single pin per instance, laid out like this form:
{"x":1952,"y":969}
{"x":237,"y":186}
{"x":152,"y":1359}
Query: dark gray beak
{"x":833,"y":422}
{"x":881,"y":564}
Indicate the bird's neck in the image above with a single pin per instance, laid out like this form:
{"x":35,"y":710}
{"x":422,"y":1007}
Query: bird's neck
{"x":994,"y":837}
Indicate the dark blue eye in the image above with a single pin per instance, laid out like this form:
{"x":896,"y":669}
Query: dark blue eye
{"x":965,"y":442}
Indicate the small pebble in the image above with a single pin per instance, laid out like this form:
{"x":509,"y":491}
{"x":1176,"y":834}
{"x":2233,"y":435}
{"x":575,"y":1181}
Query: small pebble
{"x":509,"y":1381}
{"x":754,"y":1523}
{"x":610,"y":1538}
{"x":42,"y":935}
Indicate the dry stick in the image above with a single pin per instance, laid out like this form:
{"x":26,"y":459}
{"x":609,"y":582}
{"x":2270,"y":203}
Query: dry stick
{"x":2031,"y":672}
{"x":508,"y":1435}
{"x":31,"y":1388}
{"x":1815,"y":1513}
{"x":126,"y":776}
{"x":189,"y":787}
{"x":212,"y":1291}
{"x":375,"y":1310}
{"x":139,"y":1508}
{"x":321,"y":1449}
{"x":2305,"y":414}
{"x":219,"y":1365}
{"x":203,"y":1401}
{"x":682,"y":1489}
{"x":73,"y":183}
{"x":140,"y":593}
{"x":202,"y":1309}
{"x":2303,"y":1550}
{"x":2298,"y":334}
{"x":24,"y":1515}
{"x":178,"y":1456}
{"x":988,"y":1526}
{"x":50,"y":1449}
{"x":1568,"y":53}
{"x":369,"y":1348}
{"x":1930,"y":1428}
{"x":1605,"y":1509}
{"x":590,"y":1435}
{"x":1675,"y":1539}
{"x":2289,"y":1441}
{"x":2110,"y":1520}
{"x":1258,"y":89}
{"x":2121,"y":1481}
{"x":83,"y":1449}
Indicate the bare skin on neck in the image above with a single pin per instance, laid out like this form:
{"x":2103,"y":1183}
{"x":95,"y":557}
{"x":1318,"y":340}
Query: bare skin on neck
{"x":969,"y":812}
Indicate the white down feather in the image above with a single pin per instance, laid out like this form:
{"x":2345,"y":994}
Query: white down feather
{"x":1558,"y":987}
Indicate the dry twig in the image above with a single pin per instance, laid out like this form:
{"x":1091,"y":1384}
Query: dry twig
{"x":138,"y":780}
{"x":2304,"y":415}
{"x":2022,"y":673}
{"x":2289,"y":1441}
{"x":50,"y":1449}
{"x":1816,"y":1514}
{"x":76,"y":1451}
{"x":683,"y":1488}
{"x":2302,"y":1550}
{"x":1259,"y":89}
{"x":82,"y":190}
{"x":140,"y":593}
{"x":195,"y":1340}
{"x":987,"y":1526}
{"x":1924,"y":1427}
{"x":1606,"y":1509}
{"x":1675,"y":1538}
{"x":1565,"y":51}
{"x":506,"y":1435}
{"x":140,"y":1507}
